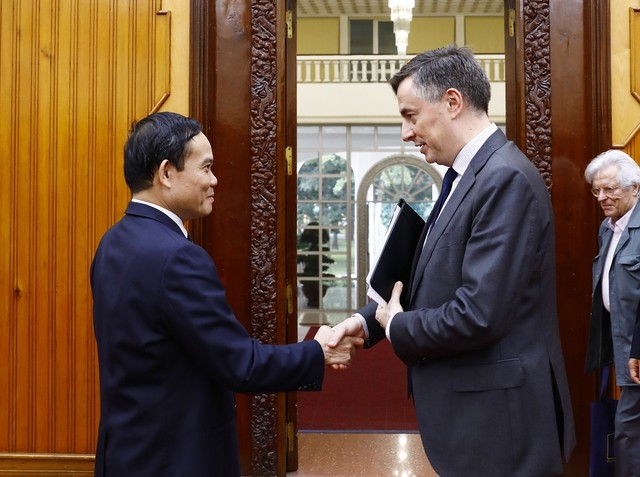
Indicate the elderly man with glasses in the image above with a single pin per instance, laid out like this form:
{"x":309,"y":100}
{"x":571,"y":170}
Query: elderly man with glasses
{"x":615,"y":182}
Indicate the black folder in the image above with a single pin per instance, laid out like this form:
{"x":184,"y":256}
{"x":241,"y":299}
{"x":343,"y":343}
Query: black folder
{"x":396,"y":257}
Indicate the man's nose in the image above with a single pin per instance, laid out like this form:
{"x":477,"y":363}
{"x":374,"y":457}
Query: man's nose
{"x":407,"y":133}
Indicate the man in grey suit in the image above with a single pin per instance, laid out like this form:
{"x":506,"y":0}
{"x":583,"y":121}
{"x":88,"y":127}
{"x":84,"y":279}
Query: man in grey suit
{"x":615,"y":180}
{"x":480,"y":331}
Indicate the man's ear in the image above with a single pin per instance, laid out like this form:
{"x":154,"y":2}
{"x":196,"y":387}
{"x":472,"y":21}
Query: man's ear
{"x":454,"y":100}
{"x":165,"y":172}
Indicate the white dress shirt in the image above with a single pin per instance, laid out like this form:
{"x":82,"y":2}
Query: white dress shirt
{"x":167,"y":212}
{"x":617,"y":227}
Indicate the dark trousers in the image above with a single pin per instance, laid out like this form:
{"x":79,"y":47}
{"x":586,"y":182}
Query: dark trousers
{"x":627,"y":437}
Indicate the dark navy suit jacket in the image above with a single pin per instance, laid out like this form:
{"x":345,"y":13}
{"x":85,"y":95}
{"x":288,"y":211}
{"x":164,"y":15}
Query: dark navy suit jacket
{"x":171,"y":354}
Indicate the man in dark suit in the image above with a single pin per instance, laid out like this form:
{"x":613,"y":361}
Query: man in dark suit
{"x":170,"y":350}
{"x":480,"y":332}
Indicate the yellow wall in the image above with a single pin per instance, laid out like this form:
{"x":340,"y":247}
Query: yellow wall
{"x":318,"y":36}
{"x":427,"y":33}
{"x":484,"y":35}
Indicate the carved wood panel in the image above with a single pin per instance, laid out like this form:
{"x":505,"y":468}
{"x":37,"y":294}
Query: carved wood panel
{"x":267,"y":316}
{"x":240,"y":57}
{"x":537,"y":79}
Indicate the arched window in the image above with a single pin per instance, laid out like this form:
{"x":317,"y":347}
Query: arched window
{"x":349,"y":180}
{"x":395,"y":178}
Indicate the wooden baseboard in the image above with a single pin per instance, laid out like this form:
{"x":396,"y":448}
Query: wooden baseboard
{"x":32,"y":465}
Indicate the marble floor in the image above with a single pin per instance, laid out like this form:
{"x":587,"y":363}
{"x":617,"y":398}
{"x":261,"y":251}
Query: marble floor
{"x":353,"y":455}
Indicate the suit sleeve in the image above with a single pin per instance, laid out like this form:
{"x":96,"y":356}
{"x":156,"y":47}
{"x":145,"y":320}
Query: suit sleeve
{"x":198,"y":316}
{"x":376,"y":332}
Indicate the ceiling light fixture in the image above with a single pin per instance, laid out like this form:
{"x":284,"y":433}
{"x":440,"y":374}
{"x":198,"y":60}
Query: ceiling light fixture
{"x":401,"y":15}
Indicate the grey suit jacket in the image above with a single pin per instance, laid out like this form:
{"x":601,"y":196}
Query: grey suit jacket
{"x":481,"y":332}
{"x":624,"y":292}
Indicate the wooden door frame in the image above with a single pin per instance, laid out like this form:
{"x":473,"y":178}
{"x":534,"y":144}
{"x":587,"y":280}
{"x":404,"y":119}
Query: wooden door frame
{"x":291,"y":215}
{"x":558,"y":70}
{"x":238,"y":93}
{"x":559,"y":116}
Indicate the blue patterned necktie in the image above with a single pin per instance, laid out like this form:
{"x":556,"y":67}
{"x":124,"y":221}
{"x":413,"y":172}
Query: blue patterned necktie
{"x":447,"y":181}
{"x":449,"y":177}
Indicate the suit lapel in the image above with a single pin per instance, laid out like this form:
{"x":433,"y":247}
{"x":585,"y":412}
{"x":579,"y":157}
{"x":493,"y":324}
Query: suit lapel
{"x":605,"y":236}
{"x":495,"y":141}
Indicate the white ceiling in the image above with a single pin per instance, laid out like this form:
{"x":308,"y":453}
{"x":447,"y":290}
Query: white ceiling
{"x":312,"y":8}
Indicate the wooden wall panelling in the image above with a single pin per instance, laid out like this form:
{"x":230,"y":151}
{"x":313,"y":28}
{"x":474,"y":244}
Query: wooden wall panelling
{"x":36,"y":465}
{"x":241,"y":59}
{"x":634,"y":51}
{"x":7,"y":285}
{"x":225,"y":114}
{"x":74,"y":76}
{"x":559,"y":125}
{"x":630,"y":107}
{"x":579,"y":92}
{"x":625,"y":77}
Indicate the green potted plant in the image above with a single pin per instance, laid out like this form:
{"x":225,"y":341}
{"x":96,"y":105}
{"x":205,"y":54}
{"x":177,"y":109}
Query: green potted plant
{"x":315,"y":264}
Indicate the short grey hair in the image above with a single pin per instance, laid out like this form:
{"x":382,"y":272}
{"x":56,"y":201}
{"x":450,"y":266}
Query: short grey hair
{"x":628,"y":169}
{"x":435,"y":71}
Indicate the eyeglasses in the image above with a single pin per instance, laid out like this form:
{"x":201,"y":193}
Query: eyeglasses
{"x":608,"y":191}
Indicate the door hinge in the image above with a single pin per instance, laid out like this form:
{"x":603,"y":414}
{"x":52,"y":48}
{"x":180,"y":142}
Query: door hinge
{"x":289,"y":20}
{"x":288,"y":154}
{"x":512,"y":22}
{"x":290,"y":437}
{"x":289,"y":295}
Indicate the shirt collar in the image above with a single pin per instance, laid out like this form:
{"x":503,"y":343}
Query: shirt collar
{"x":167,"y":212}
{"x":463,"y":159}
{"x":622,"y":222}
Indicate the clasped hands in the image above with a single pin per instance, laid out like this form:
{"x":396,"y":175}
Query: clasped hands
{"x":340,"y":342}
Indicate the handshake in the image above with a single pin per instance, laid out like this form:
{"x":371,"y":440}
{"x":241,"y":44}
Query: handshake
{"x":339,"y":343}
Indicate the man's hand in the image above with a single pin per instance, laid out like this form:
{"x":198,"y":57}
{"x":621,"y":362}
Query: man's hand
{"x":385,"y":313}
{"x":340,"y":354}
{"x":634,"y":370}
{"x":349,"y":327}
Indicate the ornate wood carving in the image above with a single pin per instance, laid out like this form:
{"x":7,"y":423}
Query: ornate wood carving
{"x":263,"y":219}
{"x":537,"y":74}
